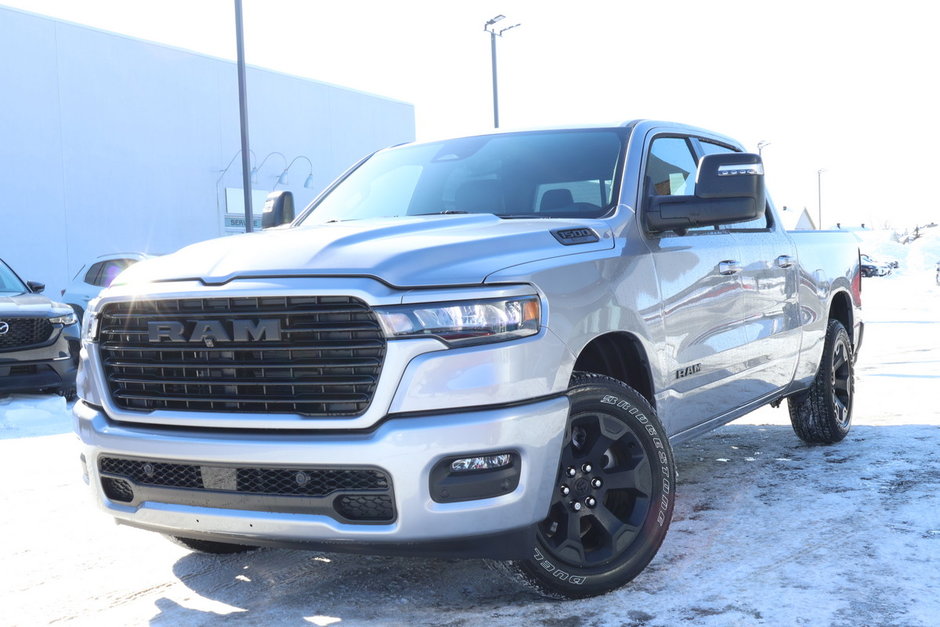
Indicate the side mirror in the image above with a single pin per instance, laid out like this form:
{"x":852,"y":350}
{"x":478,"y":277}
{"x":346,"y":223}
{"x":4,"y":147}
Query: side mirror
{"x":732,"y":175}
{"x":278,"y":209}
{"x":35,"y":287}
{"x":729,"y":188}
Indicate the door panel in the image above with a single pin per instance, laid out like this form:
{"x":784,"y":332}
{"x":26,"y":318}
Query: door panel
{"x":769,"y":278}
{"x":703,"y":314}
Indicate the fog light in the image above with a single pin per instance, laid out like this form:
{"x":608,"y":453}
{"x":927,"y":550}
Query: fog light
{"x":486,"y":462}
{"x":474,"y":477}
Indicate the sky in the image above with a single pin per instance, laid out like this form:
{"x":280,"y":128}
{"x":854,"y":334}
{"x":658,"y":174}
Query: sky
{"x":843,"y":87}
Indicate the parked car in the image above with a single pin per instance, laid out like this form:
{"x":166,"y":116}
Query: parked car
{"x":39,"y":339}
{"x":875,"y":267}
{"x":95,"y":276}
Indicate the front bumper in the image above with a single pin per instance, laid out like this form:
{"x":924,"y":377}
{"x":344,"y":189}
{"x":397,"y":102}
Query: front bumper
{"x":52,"y":366}
{"x":405,"y":448}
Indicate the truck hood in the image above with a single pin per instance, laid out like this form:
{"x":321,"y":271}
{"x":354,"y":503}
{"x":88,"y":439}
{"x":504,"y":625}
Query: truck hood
{"x":405,"y":252}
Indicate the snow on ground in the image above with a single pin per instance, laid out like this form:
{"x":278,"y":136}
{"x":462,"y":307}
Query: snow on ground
{"x":767,"y":530}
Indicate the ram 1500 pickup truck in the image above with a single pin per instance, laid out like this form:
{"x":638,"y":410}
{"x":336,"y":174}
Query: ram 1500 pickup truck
{"x":479,"y":347}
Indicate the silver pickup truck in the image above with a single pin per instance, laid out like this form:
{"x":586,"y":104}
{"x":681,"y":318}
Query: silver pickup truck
{"x":479,"y":347}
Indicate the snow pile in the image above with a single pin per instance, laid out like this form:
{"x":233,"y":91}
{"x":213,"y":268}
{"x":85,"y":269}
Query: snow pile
{"x":29,"y":415}
{"x":916,"y":259}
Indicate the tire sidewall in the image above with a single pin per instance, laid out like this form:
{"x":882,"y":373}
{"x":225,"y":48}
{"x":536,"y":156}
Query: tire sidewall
{"x":838,"y":335}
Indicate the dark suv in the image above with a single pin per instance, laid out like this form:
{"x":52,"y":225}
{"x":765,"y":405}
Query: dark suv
{"x":39,"y":339}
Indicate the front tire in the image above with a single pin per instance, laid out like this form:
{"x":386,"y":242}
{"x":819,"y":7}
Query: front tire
{"x":823,"y":413}
{"x":613,"y":499}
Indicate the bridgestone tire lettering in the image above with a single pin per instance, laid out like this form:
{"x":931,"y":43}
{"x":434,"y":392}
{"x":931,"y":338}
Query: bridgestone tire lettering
{"x":596,"y":539}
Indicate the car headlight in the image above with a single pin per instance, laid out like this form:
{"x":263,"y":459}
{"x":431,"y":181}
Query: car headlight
{"x":462,"y":323}
{"x":90,"y":326}
{"x":67,"y":319}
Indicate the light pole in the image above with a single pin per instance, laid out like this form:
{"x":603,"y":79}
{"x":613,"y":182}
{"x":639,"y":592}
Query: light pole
{"x":491,"y":29}
{"x":243,"y":114}
{"x":760,"y":147}
{"x":819,"y":194}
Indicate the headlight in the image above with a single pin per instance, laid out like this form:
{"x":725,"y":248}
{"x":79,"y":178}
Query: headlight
{"x":465,"y":322}
{"x":66,"y":320}
{"x":90,"y":326}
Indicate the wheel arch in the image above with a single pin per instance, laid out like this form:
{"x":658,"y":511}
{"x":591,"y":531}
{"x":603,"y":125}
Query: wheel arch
{"x":621,"y":356}
{"x":841,"y":309}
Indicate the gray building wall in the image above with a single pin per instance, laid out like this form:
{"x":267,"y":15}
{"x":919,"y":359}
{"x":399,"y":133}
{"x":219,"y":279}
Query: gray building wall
{"x":111,"y":144}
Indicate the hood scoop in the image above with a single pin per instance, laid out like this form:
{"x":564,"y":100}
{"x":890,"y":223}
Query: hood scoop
{"x":571,"y":237}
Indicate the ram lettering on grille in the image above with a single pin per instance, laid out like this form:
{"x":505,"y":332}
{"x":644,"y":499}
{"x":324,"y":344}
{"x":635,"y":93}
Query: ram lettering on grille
{"x":210,"y":331}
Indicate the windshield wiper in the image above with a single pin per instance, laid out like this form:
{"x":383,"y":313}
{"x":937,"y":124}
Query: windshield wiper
{"x":446,"y":212}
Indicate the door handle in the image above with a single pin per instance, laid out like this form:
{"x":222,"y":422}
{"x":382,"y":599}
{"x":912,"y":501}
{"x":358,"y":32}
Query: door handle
{"x":728,"y":267}
{"x":784,"y":261}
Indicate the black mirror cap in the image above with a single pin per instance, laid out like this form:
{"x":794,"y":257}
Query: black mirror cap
{"x":278,"y":209}
{"x":35,"y":287}
{"x":731,"y":175}
{"x":729,"y":188}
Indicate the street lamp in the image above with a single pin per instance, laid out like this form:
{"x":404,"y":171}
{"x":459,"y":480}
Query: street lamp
{"x":255,"y":171}
{"x":282,"y":177}
{"x":761,"y":145}
{"x":490,"y":27}
{"x":819,"y":193}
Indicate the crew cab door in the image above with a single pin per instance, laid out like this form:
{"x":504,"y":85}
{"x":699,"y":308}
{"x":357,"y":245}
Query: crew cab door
{"x":769,"y":279}
{"x":703,"y":304}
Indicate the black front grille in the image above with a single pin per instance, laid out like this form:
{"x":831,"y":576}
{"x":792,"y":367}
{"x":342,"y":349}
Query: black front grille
{"x":316,"y":356}
{"x":365,"y":507}
{"x":355,"y":494}
{"x":24,"y":332}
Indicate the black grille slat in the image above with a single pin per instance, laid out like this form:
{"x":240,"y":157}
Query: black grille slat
{"x":260,"y":400}
{"x":336,"y":345}
{"x":321,"y":381}
{"x":196,"y":315}
{"x":323,"y":359}
{"x":297,"y":363}
{"x":25,"y":331}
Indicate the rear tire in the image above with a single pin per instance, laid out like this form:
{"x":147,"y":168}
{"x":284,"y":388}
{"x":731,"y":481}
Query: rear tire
{"x":823,"y":413}
{"x":209,"y":546}
{"x":614,"y":495}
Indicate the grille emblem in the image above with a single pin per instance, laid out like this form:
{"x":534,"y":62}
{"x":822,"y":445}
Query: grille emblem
{"x":4,"y":327}
{"x":219,"y":478}
{"x":210,"y":332}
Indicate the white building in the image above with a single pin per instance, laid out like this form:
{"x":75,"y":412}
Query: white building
{"x":796,"y":220}
{"x":109,"y":143}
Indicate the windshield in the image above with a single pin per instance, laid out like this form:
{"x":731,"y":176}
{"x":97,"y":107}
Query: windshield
{"x":547,"y":174}
{"x":9,"y":282}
